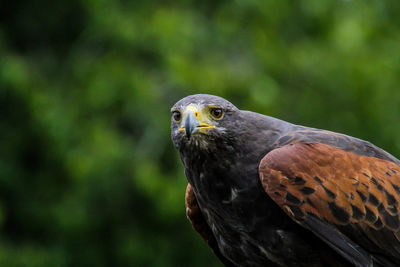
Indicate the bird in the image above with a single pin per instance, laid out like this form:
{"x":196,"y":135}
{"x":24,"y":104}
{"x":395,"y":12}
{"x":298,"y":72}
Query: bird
{"x":265,"y":192}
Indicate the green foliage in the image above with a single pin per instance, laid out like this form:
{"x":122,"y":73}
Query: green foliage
{"x":88,"y":174}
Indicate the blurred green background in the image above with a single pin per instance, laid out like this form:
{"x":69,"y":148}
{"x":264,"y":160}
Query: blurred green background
{"x":88,"y":174}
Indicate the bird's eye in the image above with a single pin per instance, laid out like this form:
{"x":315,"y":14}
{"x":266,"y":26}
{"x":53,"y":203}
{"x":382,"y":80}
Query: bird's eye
{"x":177,"y":116}
{"x":217,"y":113}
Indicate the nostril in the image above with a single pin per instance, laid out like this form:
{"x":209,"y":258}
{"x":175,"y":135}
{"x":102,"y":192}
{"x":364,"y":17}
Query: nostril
{"x":196,"y":114}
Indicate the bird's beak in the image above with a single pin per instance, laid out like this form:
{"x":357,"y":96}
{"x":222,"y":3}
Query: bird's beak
{"x":195,"y":120}
{"x":191,"y":124}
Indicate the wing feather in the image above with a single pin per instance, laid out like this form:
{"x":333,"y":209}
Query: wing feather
{"x":329,"y":190}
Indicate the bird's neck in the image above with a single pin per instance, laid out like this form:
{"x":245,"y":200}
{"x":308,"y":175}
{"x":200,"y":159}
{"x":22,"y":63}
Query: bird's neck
{"x":232,"y":164}
{"x":216,"y":174}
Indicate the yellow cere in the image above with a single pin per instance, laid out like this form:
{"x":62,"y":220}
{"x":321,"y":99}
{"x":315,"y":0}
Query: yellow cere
{"x":202,"y":116}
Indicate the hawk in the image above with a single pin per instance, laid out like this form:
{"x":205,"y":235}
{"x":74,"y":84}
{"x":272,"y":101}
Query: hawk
{"x":265,"y":192}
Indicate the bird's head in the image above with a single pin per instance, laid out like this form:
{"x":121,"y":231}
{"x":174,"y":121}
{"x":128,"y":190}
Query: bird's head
{"x":201,"y":120}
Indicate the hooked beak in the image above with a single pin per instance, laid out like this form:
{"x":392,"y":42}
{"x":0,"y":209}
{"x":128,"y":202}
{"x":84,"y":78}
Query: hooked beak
{"x":195,"y":121}
{"x":191,"y":124}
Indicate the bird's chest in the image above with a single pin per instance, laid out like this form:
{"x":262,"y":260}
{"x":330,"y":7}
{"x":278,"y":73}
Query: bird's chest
{"x":236,"y":215}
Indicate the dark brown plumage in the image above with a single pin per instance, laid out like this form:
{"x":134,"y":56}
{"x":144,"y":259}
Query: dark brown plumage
{"x":264,"y":192}
{"x":199,"y":224}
